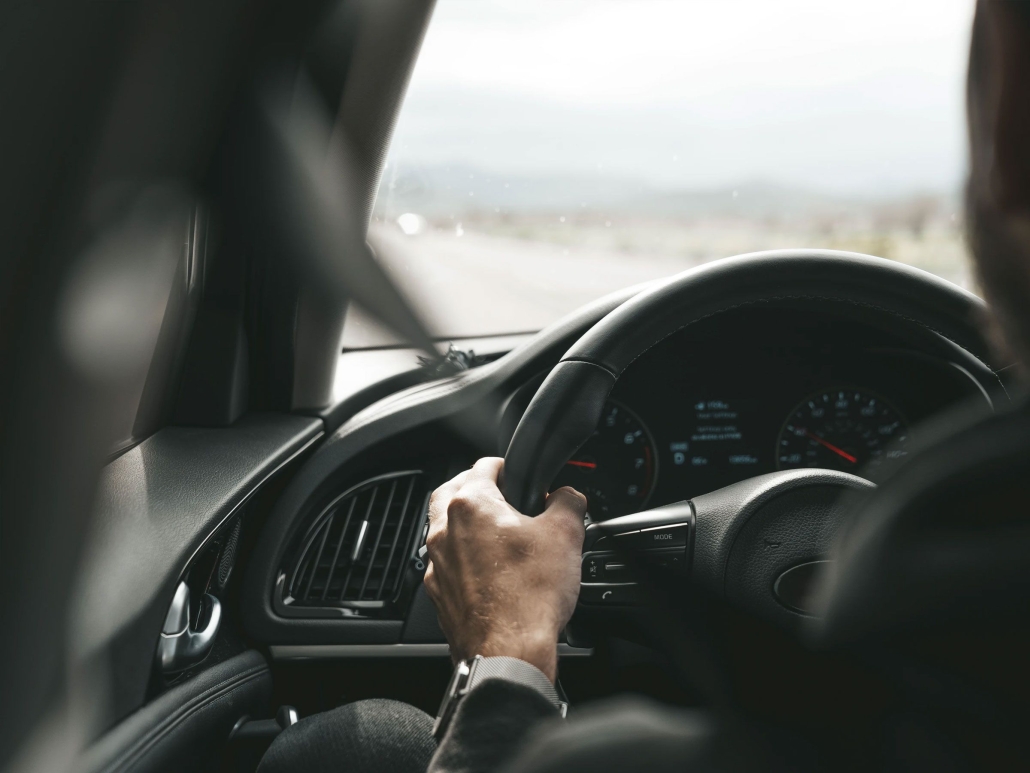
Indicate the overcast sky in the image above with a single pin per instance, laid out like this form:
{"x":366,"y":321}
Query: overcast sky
{"x":844,"y":95}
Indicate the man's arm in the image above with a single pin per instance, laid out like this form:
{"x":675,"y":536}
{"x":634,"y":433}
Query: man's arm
{"x":503,"y":584}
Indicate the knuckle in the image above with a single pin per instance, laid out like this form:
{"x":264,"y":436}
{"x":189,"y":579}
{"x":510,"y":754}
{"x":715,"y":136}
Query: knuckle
{"x":437,"y":502}
{"x":432,"y":588}
{"x":462,"y":504}
{"x":434,"y":500}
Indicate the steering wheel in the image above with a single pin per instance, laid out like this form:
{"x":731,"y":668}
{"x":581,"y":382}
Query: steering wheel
{"x":753,"y":542}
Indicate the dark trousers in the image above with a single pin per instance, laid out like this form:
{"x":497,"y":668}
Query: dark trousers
{"x":383,"y":736}
{"x":373,"y":736}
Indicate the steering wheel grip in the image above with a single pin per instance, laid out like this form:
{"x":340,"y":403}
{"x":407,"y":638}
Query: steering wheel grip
{"x":565,"y":410}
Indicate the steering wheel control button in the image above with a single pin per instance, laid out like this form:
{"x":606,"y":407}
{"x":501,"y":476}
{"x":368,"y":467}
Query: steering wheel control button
{"x":605,"y":567}
{"x":674,"y":536}
{"x":617,"y":571}
{"x":625,"y":541}
{"x":593,"y":568}
{"x":663,"y":537}
{"x":674,"y":560}
{"x":606,"y":594}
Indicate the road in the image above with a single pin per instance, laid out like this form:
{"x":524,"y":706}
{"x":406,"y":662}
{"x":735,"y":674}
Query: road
{"x":476,"y":285}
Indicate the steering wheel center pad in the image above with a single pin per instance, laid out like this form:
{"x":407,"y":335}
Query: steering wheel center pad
{"x":565,"y":410}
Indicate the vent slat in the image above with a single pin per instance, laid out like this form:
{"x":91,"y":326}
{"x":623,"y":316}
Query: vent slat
{"x":396,"y":538}
{"x":352,"y":554}
{"x":339,"y":544}
{"x":318,"y":556}
{"x":299,"y":577}
{"x":413,"y":524}
{"x":359,"y":544}
{"x":363,"y":532}
{"x":298,"y":580}
{"x":379,"y":536}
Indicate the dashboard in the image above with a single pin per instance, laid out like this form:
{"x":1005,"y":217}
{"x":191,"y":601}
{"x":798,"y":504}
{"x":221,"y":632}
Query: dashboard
{"x":750,"y":390}
{"x":761,"y":390}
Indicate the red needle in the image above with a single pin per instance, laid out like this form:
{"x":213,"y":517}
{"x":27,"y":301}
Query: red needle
{"x":588,"y":465}
{"x":832,"y":447}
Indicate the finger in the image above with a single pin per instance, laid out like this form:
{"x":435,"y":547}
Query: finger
{"x":437,"y":530}
{"x":486,"y":469}
{"x":437,"y":524}
{"x":484,"y":477}
{"x":446,"y":491}
{"x":429,"y":579}
{"x":566,"y":498}
{"x":565,"y":509}
{"x":455,"y":483}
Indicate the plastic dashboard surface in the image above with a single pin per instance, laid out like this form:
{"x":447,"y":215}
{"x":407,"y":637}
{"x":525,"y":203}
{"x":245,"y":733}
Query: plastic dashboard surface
{"x":755,"y":362}
{"x":157,"y":504}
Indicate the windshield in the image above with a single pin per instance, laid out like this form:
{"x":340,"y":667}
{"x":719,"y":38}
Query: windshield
{"x":551,"y":151}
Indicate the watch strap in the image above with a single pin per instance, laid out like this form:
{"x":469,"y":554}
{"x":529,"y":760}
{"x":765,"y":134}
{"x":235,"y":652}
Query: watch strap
{"x":512,"y":670}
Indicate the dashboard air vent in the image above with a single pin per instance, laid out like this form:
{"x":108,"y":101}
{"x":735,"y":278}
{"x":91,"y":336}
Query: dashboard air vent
{"x":353,"y":557}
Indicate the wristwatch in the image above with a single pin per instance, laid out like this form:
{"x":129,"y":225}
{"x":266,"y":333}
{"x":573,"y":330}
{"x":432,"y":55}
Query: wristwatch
{"x":469,"y":673}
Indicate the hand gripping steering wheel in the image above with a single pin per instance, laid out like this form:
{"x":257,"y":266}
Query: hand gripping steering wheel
{"x":724,"y":537}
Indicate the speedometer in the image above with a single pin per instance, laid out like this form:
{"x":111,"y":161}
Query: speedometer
{"x":616,"y":467}
{"x":841,"y":429}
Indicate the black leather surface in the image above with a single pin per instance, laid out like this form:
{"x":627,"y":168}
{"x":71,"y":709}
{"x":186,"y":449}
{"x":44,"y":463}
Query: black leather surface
{"x":722,"y":516}
{"x":896,"y":289}
{"x":184,"y":728}
{"x":937,"y":316}
{"x":470,"y":398}
{"x":571,"y":399}
{"x":795,"y":527}
{"x":157,"y":503}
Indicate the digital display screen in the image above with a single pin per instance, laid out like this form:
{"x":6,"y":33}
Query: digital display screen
{"x":717,"y":438}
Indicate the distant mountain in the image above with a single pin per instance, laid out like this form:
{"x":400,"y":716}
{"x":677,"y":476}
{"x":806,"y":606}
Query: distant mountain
{"x":454,"y":190}
{"x":444,"y":191}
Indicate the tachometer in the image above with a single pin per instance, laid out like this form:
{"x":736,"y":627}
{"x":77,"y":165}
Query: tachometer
{"x":616,"y":468}
{"x":841,"y":429}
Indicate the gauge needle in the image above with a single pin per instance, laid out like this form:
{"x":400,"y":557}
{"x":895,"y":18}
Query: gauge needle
{"x":588,"y":465}
{"x":839,"y":451}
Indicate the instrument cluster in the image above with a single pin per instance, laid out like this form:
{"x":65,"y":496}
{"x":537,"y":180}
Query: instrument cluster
{"x":728,"y":400}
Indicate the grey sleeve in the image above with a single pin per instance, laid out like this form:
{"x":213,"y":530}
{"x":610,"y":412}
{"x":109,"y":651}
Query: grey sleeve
{"x":491,"y":726}
{"x":624,"y":734}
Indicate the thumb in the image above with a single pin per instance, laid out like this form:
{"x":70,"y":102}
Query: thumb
{"x":564,"y":509}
